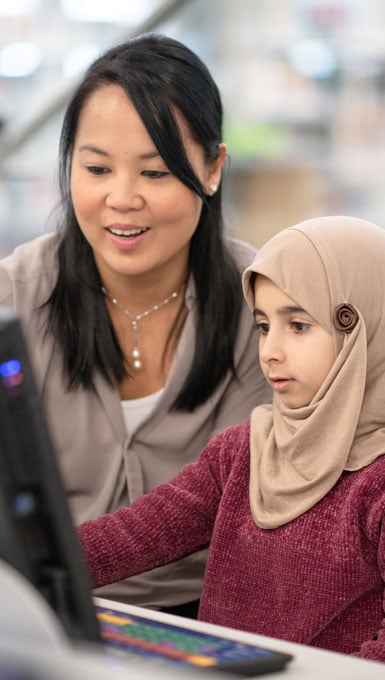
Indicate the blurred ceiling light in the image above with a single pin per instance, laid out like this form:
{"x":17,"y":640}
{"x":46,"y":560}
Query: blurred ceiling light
{"x":113,"y":11}
{"x":312,"y":58}
{"x":78,"y":59}
{"x":9,"y":8}
{"x":19,"y":59}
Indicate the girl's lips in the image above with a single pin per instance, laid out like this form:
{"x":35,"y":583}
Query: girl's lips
{"x":280,"y":384}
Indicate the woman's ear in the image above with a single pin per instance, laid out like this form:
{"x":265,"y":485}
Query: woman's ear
{"x":215,"y":171}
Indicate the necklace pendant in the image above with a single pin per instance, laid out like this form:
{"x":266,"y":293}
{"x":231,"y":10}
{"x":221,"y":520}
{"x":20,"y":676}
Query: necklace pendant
{"x":136,"y":356}
{"x":137,"y":361}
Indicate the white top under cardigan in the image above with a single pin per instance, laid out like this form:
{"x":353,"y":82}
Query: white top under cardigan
{"x":136,"y":411}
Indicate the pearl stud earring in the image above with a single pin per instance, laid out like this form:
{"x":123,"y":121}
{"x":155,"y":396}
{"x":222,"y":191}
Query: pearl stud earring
{"x":213,"y":188}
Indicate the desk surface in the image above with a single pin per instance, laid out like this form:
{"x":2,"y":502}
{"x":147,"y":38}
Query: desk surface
{"x":33,"y":645}
{"x":308,"y":662}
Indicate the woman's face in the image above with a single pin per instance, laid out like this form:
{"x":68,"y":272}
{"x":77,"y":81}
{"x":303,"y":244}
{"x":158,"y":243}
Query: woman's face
{"x":137,"y":217}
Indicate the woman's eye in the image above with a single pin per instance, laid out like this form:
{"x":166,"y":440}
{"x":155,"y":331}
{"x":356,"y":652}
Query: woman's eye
{"x":96,"y":170}
{"x":262,"y":327}
{"x":155,"y":174}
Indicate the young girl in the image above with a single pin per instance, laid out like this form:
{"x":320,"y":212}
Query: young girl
{"x":291,"y":504}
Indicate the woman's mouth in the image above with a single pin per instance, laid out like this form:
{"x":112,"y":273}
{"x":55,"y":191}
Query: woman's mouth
{"x":127,"y":233}
{"x":128,"y":239}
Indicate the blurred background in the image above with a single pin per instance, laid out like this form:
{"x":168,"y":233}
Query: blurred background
{"x":302,"y":82}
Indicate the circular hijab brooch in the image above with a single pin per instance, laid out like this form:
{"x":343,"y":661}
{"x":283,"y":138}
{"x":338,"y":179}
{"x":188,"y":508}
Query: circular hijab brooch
{"x":345,"y":318}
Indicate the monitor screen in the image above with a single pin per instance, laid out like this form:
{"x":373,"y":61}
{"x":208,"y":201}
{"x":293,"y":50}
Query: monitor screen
{"x":37,"y":536}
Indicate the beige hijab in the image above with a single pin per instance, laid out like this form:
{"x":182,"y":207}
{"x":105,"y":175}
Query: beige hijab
{"x":334,"y":267}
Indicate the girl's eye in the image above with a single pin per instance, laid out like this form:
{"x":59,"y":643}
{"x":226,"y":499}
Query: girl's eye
{"x":300,"y":326}
{"x":96,"y":170}
{"x":262,"y":327}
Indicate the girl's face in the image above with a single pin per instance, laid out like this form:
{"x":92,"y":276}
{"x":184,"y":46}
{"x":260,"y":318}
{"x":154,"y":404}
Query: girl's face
{"x":137,"y":216}
{"x":295,"y":352}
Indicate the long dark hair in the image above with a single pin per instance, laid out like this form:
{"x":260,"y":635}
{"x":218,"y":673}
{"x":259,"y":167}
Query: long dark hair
{"x":159,"y":75}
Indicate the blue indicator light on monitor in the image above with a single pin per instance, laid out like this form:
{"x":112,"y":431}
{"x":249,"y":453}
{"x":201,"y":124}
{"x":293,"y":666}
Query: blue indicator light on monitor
{"x":24,"y":503}
{"x":11,"y":373}
{"x":10,"y":367}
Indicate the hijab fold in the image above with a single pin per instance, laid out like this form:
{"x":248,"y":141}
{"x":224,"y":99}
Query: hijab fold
{"x":297,"y":455}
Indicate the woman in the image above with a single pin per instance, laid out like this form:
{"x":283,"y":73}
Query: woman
{"x":134,"y":311}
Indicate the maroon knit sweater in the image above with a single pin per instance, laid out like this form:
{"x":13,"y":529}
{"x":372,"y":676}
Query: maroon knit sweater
{"x":318,"y":580}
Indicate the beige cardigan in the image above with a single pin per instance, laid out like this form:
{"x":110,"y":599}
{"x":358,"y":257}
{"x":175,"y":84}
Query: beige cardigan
{"x":102,"y":466}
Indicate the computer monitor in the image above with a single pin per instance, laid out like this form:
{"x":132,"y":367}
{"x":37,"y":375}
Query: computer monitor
{"x":37,"y":536}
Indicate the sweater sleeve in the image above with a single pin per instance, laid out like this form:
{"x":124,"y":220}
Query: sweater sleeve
{"x":374,"y":649}
{"x":170,"y":522}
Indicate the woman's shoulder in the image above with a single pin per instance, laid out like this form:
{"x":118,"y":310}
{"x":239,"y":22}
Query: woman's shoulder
{"x":31,"y":257}
{"x":242,"y":252}
{"x":31,"y":268}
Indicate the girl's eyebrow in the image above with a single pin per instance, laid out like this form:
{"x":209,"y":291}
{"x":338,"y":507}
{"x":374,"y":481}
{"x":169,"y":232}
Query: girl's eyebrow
{"x":289,"y":309}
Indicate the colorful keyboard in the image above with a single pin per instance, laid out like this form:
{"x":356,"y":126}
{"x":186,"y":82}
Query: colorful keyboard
{"x":175,"y":644}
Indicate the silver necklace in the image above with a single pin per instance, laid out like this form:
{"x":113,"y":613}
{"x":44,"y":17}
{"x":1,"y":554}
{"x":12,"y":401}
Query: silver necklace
{"x":137,"y":361}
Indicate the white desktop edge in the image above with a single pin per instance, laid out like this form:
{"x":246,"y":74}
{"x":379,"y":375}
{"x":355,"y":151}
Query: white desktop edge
{"x":31,"y":637}
{"x":308,"y":662}
{"x":33,"y":643}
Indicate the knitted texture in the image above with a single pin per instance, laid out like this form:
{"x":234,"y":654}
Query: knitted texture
{"x":318,"y":580}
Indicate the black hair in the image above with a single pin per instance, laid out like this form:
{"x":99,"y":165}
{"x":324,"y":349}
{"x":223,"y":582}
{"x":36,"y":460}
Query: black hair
{"x":160,"y":76}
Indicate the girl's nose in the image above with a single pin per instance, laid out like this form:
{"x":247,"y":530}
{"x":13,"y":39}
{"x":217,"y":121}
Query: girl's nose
{"x":271,"y":347}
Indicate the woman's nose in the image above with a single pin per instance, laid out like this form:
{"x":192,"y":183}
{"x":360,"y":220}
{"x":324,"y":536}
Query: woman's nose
{"x":124,"y":195}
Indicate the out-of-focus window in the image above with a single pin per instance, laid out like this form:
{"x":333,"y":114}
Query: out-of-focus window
{"x":302,"y":83}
